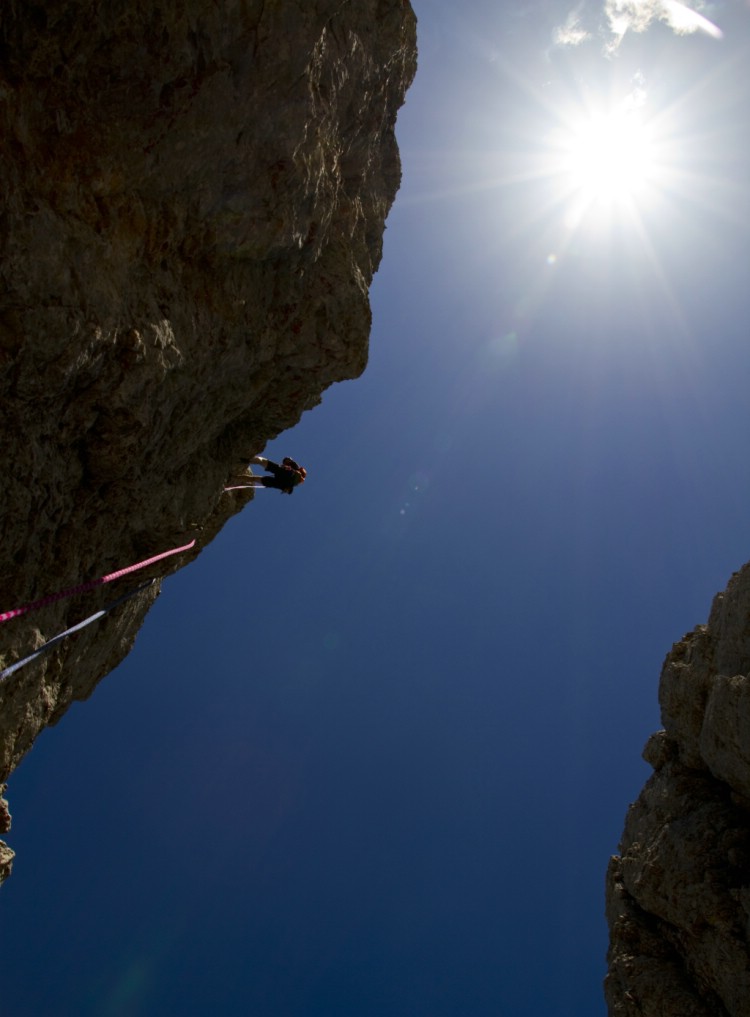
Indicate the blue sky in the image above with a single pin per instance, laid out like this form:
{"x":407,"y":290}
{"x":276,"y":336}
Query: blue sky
{"x":374,"y":748}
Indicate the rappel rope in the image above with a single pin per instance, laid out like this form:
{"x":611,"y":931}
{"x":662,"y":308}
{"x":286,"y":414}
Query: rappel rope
{"x":85,"y":587}
{"x":75,"y":628}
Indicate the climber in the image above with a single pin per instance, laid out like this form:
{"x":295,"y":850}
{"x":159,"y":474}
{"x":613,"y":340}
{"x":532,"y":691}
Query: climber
{"x":285,"y":477}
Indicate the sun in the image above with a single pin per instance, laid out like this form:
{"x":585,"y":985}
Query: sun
{"x":607,"y":164}
{"x":609,"y":158}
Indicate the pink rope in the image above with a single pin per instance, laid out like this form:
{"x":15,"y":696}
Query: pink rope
{"x":85,"y":587}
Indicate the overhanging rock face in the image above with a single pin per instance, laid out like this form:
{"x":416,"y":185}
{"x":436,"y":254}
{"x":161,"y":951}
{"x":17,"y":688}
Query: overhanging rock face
{"x":193,"y":204}
{"x":678,"y":896}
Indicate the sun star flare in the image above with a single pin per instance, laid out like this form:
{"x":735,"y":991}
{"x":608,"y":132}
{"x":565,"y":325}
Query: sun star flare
{"x":608,"y":158}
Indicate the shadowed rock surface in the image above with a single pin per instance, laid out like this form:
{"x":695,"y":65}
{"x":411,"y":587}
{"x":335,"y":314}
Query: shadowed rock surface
{"x":678,"y":895}
{"x":193,"y":204}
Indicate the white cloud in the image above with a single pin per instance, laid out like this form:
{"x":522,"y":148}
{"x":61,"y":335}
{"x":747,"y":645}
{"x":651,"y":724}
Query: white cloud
{"x":572,"y":33}
{"x":623,"y":16}
{"x":684,"y":19}
{"x":638,"y":96}
{"x":626,"y":16}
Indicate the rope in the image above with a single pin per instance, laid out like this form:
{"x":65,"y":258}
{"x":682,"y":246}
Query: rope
{"x":75,"y":628}
{"x":245,"y":487}
{"x":85,"y":587}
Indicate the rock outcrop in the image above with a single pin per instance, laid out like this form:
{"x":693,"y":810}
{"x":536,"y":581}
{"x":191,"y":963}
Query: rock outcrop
{"x":678,"y":896}
{"x":193,"y":204}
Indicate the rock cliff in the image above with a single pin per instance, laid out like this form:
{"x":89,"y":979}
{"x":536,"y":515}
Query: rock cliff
{"x":193,"y":203}
{"x":678,"y":896}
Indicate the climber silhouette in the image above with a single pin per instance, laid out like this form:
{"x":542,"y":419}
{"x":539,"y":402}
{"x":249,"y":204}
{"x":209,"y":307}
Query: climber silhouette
{"x":284,"y":477}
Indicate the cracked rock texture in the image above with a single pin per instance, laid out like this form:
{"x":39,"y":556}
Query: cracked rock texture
{"x":678,"y":895}
{"x":193,"y":202}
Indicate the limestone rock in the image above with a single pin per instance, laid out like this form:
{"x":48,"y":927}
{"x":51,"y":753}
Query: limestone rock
{"x":678,"y":896}
{"x":193,"y":202}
